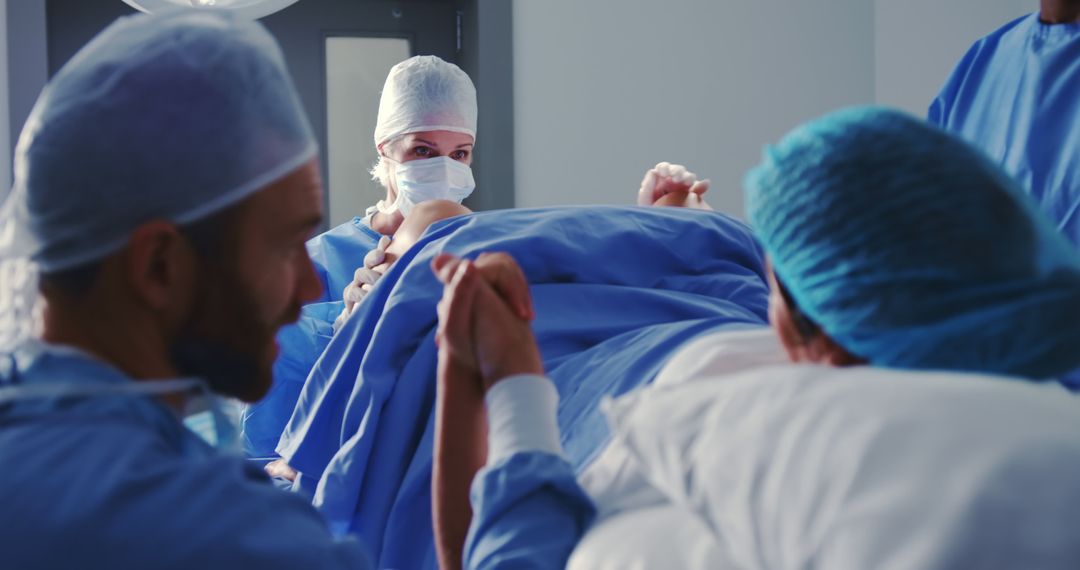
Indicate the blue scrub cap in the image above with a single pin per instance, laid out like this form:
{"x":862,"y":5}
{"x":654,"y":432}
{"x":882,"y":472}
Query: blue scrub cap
{"x":911,"y":250}
{"x":172,"y":116}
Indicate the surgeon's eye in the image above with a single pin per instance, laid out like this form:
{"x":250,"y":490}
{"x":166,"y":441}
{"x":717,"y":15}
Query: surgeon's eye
{"x":423,"y":151}
{"x":461,"y":155}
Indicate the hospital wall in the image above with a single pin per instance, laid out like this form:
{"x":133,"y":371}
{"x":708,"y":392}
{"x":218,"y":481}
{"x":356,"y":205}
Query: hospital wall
{"x":918,"y":42}
{"x":605,"y":89}
{"x":5,"y":118}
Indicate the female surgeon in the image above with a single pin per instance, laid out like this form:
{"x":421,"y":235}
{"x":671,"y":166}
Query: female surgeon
{"x":424,"y":135}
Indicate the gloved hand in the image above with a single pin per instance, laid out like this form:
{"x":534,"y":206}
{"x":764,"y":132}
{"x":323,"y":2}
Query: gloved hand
{"x":363,"y":280}
{"x":666,"y":178}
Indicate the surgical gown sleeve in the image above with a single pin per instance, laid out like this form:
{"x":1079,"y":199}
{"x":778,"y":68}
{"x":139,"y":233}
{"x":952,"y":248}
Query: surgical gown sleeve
{"x":119,"y":482}
{"x":528,"y":509}
{"x":234,"y":518}
{"x":337,"y":253}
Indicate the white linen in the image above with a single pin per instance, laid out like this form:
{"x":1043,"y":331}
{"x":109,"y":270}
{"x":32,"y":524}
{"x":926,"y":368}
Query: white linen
{"x":521,"y":417}
{"x":806,"y":466}
{"x":663,"y":536}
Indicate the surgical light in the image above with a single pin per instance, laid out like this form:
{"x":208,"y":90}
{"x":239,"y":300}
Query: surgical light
{"x":248,"y":8}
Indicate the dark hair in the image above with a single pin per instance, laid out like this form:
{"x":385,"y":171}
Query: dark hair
{"x":209,"y":237}
{"x":806,"y":326}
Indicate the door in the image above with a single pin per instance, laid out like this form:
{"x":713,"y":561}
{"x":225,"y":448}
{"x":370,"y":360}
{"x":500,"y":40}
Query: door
{"x":339,"y":52}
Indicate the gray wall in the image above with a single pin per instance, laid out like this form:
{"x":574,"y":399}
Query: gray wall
{"x":27,"y":66}
{"x":5,"y":108}
{"x":605,"y":89}
{"x":919,"y":42}
{"x":577,"y":99}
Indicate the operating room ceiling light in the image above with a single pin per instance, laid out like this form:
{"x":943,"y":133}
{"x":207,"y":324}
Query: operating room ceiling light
{"x":248,"y":8}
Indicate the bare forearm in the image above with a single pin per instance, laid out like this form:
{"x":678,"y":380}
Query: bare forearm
{"x":460,"y":452}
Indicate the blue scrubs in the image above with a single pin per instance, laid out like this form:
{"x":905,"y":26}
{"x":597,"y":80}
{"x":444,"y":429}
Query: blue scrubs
{"x":116,"y":481}
{"x":1015,"y":96}
{"x":528,"y":512}
{"x":336,"y":254}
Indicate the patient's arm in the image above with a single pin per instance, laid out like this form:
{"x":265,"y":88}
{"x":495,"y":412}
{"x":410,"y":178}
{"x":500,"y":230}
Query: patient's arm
{"x":417,"y":222}
{"x":460,"y":419}
{"x":460,"y":452}
{"x":530,"y":511}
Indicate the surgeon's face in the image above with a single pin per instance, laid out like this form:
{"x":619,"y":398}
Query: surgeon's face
{"x":249,"y":292}
{"x":430,"y":144}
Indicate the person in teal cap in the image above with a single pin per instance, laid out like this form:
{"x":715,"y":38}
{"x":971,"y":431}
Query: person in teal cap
{"x":892,"y":244}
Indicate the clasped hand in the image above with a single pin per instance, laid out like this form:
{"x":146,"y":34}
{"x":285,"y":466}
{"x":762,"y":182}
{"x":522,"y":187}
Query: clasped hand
{"x":484,"y":317}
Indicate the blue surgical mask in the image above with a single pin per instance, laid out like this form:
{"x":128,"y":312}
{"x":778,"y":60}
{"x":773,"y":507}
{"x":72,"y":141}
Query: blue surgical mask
{"x":439,"y":178}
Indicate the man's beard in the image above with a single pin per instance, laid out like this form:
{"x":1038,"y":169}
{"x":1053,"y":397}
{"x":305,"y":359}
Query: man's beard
{"x":225,"y":341}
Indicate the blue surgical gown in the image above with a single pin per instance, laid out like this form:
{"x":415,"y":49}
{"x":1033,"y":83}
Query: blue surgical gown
{"x":1016,"y":95}
{"x":528,"y":512}
{"x":117,"y":481}
{"x":336,"y":254}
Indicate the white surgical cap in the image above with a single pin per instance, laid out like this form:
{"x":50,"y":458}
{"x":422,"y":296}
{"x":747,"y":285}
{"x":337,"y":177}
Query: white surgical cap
{"x":425,"y":93}
{"x":174,"y":116}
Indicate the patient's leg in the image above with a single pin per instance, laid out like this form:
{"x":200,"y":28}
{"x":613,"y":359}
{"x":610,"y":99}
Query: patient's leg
{"x":672,"y":185}
{"x":416,"y":223}
{"x":683,"y":199}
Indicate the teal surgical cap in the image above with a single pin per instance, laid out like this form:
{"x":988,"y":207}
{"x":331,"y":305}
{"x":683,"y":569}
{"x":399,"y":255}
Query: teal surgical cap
{"x":911,"y":250}
{"x":174,"y":116}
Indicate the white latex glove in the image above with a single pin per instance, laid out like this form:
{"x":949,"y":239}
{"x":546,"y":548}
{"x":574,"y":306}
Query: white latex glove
{"x":665,"y":178}
{"x":363,"y":282}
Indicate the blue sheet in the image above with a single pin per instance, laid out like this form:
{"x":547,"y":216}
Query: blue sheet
{"x":335,"y":254}
{"x":616,"y":291}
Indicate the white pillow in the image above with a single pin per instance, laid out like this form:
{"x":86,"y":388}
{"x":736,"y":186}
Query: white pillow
{"x":803,"y":466}
{"x":662,"y":536}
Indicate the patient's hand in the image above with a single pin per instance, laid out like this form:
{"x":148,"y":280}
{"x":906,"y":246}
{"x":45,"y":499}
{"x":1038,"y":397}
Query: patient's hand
{"x":279,"y":468}
{"x":376,"y":262}
{"x":484,"y":316}
{"x":483,"y":336}
{"x":364,"y":279}
{"x":669,"y":184}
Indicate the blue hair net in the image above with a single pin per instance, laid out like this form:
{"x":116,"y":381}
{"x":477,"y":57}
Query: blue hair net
{"x":173,"y":116}
{"x":911,"y":250}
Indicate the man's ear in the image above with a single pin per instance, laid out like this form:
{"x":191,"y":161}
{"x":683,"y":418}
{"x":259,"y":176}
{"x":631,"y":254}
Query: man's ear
{"x":160,"y":265}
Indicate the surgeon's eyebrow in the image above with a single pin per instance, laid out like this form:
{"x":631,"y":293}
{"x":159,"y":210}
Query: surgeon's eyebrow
{"x":430,"y":143}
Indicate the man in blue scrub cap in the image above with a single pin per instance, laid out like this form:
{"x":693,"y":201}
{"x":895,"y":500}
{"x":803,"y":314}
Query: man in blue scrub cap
{"x":166,"y":182}
{"x":1014,"y":95}
{"x":892,"y":244}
